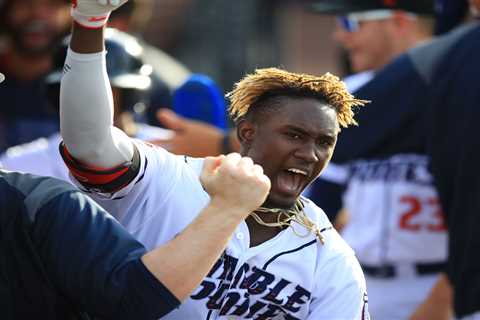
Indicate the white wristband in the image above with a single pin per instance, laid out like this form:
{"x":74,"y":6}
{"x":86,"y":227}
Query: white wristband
{"x":90,"y":22}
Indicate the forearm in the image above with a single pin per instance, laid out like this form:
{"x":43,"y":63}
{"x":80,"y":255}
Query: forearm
{"x":86,"y":104}
{"x":201,"y":244}
{"x":439,"y":304}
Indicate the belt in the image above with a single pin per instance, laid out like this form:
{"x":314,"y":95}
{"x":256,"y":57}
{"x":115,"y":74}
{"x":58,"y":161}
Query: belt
{"x":392,"y":271}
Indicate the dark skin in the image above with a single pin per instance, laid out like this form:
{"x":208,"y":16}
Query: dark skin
{"x":32,"y":28}
{"x":299,"y":134}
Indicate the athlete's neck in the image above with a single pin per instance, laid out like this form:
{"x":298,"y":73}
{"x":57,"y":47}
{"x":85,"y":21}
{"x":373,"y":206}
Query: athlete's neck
{"x":260,"y":234}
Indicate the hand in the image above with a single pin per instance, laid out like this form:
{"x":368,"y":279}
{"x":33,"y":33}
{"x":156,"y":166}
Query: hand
{"x":235,"y":182}
{"x":94,"y":13}
{"x":192,"y":138}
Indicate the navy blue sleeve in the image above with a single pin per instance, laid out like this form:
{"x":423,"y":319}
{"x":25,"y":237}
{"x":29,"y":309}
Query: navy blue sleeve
{"x":454,"y":147}
{"x":389,"y":124}
{"x":328,"y":196}
{"x":94,"y":262}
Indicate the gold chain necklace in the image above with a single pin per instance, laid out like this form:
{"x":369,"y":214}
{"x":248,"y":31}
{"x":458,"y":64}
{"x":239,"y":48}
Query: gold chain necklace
{"x":285,"y":218}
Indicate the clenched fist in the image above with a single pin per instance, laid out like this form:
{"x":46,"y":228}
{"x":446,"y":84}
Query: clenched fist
{"x":94,"y":13}
{"x":235,"y":182}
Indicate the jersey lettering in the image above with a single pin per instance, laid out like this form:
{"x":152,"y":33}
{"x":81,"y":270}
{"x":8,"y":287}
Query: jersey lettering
{"x":413,"y":170}
{"x":250,"y":292}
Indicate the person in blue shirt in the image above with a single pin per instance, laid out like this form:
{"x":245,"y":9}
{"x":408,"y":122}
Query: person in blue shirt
{"x":63,"y":257}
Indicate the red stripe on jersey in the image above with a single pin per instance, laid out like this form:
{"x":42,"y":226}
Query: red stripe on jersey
{"x":103,"y":179}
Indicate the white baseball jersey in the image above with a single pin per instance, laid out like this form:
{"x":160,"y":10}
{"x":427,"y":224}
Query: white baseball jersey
{"x":395,"y":215}
{"x":40,"y":157}
{"x":286,"y":277}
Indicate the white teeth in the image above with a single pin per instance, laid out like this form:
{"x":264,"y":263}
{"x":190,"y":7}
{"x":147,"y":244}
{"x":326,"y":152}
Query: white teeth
{"x":297,"y":171}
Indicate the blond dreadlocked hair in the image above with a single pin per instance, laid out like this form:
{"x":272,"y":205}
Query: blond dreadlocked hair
{"x":263,"y":82}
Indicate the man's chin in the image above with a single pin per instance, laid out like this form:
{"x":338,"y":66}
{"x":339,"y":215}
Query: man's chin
{"x":280,"y":202}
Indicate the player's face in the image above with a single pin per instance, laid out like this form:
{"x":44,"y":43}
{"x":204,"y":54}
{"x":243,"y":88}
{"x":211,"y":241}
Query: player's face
{"x":35,"y":25}
{"x":293,"y":144}
{"x":370,"y":47}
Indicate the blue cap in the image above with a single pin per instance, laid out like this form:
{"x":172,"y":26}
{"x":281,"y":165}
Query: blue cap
{"x":199,"y":98}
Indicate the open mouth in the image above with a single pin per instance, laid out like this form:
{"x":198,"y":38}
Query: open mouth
{"x":291,"y":181}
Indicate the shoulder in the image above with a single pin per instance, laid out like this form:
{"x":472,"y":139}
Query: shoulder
{"x":36,"y":191}
{"x":30,"y":184}
{"x":315,"y":213}
{"x":428,"y":56}
{"x":334,"y":246}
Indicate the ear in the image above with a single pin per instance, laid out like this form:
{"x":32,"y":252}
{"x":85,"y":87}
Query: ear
{"x":246,"y":132}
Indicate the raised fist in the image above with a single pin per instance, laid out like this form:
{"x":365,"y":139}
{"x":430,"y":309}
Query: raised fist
{"x":235,"y":182}
{"x":94,"y":13}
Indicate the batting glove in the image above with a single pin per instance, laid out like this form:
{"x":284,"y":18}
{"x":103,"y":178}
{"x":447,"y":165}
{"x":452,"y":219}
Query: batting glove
{"x":94,"y":14}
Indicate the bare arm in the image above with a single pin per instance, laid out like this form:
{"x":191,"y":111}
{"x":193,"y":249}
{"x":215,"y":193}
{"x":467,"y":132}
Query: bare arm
{"x":438,"y":304}
{"x":86,"y":104}
{"x":237,"y":187}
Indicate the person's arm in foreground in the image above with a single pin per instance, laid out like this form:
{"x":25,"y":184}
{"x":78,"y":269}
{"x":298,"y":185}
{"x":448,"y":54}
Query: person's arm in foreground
{"x":236,"y":187}
{"x":439,"y":304}
{"x":94,"y":262}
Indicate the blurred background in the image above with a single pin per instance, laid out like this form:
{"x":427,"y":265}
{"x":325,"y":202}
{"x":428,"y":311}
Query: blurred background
{"x":226,"y":39}
{"x":184,"y":55}
{"x":219,"y":39}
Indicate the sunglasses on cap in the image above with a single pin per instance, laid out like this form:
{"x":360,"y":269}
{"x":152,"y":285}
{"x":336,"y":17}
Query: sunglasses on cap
{"x":351,"y":22}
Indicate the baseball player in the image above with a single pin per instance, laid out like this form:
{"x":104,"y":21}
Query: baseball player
{"x":62,"y":256}
{"x":396,"y":225}
{"x":284,"y":261}
{"x":131,"y":86}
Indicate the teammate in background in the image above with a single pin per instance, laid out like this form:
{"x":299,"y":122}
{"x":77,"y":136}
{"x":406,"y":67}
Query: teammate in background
{"x":373,"y":33}
{"x":442,"y":75}
{"x":43,"y":219}
{"x":446,"y":71}
{"x":396,"y":225}
{"x":58,"y":260}
{"x":31,"y":29}
{"x":372,"y":40}
{"x":285,"y":259}
{"x":131,"y":80}
{"x":453,"y":113}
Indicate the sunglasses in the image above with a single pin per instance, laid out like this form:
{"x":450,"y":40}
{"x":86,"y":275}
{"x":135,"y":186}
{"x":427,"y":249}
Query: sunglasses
{"x":351,"y":22}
